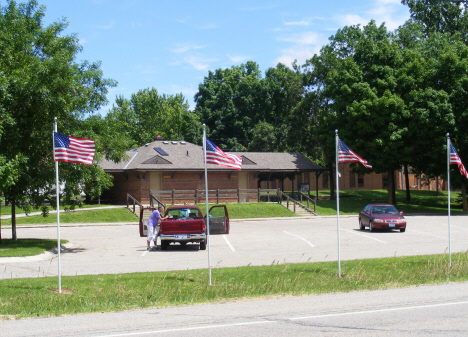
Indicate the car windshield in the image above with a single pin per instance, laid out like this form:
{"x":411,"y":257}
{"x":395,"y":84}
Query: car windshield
{"x":186,"y":212}
{"x":384,"y":210}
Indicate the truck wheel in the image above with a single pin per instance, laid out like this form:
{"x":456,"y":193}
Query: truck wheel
{"x":203,"y":245}
{"x":164,"y":245}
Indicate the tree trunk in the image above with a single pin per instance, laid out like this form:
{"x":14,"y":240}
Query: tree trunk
{"x":465,"y":202}
{"x":332,"y":182}
{"x":13,"y":219}
{"x":408,"y":191}
{"x":391,"y":198}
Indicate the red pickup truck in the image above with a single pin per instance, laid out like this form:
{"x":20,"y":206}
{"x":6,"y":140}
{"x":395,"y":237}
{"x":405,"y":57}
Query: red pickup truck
{"x":187,"y":224}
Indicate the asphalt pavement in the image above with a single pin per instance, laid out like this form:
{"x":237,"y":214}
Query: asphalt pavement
{"x":118,"y":248}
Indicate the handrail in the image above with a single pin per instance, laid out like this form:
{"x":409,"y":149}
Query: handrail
{"x":288,"y":198}
{"x":160,"y":203}
{"x":135,"y":201}
{"x":314,"y":201}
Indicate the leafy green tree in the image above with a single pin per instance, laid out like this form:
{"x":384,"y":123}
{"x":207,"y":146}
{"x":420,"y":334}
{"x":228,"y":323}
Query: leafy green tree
{"x":39,"y":80}
{"x":148,"y":114}
{"x":438,"y":16}
{"x":229,"y":102}
{"x":380,"y":100}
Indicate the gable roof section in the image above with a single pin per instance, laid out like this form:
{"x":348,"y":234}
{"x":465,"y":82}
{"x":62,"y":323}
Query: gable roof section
{"x":184,"y":156}
{"x":156,"y":160}
{"x":247,"y":161}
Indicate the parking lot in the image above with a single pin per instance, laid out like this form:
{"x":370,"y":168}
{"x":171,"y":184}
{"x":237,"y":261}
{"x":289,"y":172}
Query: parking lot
{"x":107,"y":249}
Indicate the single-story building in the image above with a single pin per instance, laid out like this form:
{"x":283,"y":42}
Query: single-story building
{"x":178,"y":165}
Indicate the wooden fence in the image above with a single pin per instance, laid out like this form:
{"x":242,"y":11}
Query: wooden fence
{"x":216,"y":195}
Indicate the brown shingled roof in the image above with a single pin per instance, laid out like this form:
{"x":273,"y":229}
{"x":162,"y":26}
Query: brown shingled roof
{"x":189,"y":157}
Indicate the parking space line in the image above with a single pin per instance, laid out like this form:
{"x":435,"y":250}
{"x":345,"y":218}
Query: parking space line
{"x":437,"y":236}
{"x":144,"y":253}
{"x":458,"y":227}
{"x":310,"y":244}
{"x":228,"y":243}
{"x":369,"y":237}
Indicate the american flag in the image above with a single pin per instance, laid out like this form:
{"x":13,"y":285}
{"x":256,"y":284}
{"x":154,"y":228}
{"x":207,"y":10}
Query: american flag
{"x":214,"y":155}
{"x":455,"y":159}
{"x":345,"y":155}
{"x":73,"y":150}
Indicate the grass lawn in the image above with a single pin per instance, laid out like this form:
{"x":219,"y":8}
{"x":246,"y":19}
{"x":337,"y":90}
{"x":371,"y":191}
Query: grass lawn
{"x":6,"y":210}
{"x":91,"y":216}
{"x":33,"y":297}
{"x":26,"y":247}
{"x":425,"y":202}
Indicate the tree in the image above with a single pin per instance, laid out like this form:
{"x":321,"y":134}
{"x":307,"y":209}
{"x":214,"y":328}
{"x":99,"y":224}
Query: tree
{"x":230,"y":102}
{"x":39,"y":80}
{"x":438,"y":16}
{"x":381,"y":101}
{"x":148,"y":114}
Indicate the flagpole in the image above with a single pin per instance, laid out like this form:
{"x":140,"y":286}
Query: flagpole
{"x":448,"y":190}
{"x":206,"y":203}
{"x":337,"y":202}
{"x":57,"y":188}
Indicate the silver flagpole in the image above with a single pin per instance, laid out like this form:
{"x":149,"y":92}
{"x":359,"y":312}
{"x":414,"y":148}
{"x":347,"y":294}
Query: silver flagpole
{"x":206,"y":203}
{"x":337,"y":202}
{"x":448,"y":190}
{"x":57,"y":186}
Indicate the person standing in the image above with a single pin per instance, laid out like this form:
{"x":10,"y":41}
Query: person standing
{"x":153,"y":227}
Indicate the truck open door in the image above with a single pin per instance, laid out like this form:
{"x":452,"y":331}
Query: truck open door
{"x":145,"y":213}
{"x":219,"y":220}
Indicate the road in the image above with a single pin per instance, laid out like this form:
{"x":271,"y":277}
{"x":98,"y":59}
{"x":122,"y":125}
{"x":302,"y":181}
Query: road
{"x":418,"y":311}
{"x":119,"y":249}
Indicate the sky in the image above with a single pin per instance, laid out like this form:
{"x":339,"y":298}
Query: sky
{"x":172,"y":45}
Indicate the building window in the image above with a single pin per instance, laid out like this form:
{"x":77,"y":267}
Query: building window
{"x":360,"y":181}
{"x":352,"y":180}
{"x":325,"y":180}
{"x":384,"y":180}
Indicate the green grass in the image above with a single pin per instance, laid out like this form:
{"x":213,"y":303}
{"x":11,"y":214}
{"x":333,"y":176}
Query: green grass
{"x":6,"y":210}
{"x":422,"y":202}
{"x":255,"y":210}
{"x":34,"y":297}
{"x":26,"y":247}
{"x":91,"y":216}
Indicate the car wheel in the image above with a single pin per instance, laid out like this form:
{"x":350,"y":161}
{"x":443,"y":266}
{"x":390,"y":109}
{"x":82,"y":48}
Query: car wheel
{"x":164,"y":245}
{"x":402,"y":230}
{"x":371,"y":228}
{"x":361,"y":226}
{"x":203,"y":245}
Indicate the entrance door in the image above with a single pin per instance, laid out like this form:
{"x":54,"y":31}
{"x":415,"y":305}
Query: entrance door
{"x":155,"y":183}
{"x":243,"y":179}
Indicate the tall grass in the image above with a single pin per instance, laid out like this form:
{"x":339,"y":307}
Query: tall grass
{"x":35,"y":297}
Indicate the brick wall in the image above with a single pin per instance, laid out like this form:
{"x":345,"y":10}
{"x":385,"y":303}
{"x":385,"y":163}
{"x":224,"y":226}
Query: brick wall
{"x":138,"y":184}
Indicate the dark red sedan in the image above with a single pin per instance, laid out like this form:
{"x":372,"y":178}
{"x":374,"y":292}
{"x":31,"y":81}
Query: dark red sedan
{"x":381,"y":216}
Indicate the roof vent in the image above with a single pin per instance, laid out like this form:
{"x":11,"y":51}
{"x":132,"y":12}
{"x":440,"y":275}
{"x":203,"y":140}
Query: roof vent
{"x":165,"y":142}
{"x":174,"y":143}
{"x":183,"y":143}
{"x":147,"y":144}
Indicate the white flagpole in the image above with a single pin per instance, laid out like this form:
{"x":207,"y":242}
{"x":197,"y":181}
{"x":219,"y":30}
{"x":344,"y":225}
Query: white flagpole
{"x":206,"y":202}
{"x":337,"y":202}
{"x":57,"y":188}
{"x":448,"y":193}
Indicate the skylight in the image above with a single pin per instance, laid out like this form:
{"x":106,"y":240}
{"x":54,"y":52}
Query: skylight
{"x":160,"y":151}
